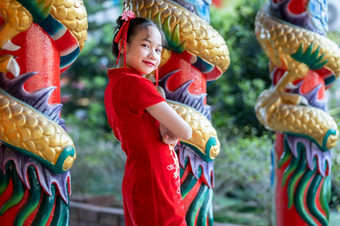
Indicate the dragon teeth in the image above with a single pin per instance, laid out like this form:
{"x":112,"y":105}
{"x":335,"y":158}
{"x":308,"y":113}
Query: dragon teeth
{"x":13,"y":67}
{"x":10,"y":46}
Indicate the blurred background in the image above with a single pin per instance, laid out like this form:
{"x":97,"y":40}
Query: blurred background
{"x":242,"y":192}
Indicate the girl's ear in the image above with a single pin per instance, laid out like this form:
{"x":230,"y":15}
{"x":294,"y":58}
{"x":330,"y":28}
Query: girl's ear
{"x":120,"y":46}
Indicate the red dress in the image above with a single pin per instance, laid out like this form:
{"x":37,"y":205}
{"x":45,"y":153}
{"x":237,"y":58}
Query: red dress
{"x":151,"y":184}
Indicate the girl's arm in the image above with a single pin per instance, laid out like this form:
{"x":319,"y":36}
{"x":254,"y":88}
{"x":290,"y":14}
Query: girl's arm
{"x":171,"y":120}
{"x":167,"y":136}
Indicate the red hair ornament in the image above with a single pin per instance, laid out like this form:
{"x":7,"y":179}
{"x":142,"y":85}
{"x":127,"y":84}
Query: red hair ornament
{"x":121,"y":37}
{"x":122,"y":33}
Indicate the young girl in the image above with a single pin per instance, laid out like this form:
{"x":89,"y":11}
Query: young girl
{"x":146,"y":127}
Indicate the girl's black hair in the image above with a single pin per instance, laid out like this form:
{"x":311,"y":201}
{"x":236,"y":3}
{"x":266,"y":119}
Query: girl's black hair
{"x":136,"y":24}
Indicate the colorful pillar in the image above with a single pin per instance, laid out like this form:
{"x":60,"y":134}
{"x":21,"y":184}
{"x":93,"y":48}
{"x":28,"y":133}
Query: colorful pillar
{"x":197,"y":55}
{"x":39,"y":39}
{"x":303,"y":64}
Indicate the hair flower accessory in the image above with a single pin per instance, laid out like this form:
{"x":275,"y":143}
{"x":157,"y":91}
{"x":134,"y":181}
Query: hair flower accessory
{"x":128,"y":15}
{"x":121,"y":36}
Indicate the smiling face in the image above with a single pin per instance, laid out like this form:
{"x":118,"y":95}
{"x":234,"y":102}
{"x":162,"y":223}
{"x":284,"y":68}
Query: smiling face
{"x":143,"y":52}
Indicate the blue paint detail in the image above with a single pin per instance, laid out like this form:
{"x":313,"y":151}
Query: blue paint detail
{"x":116,"y":2}
{"x":203,"y":66}
{"x":325,"y":139}
{"x":201,"y":7}
{"x":204,"y":156}
{"x":211,"y":142}
{"x":323,"y":146}
{"x":38,"y":10}
{"x":68,"y":59}
{"x":318,"y":9}
{"x":51,"y":25}
{"x":329,"y":80}
{"x":272,"y":169}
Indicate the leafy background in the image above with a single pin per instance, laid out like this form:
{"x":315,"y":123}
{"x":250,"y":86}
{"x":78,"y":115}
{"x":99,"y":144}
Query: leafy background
{"x":243,"y":194}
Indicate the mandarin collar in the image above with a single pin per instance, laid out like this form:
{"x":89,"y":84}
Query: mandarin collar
{"x":113,"y":71}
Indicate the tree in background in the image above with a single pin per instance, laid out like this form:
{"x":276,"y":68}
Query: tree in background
{"x":83,"y":99}
{"x":84,"y":83}
{"x":232,"y":98}
{"x":235,"y":93}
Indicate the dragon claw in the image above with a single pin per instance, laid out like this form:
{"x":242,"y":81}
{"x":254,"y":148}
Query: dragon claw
{"x":293,"y":99}
{"x":9,"y":64}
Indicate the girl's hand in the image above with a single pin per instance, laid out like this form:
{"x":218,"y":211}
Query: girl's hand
{"x":175,"y":126}
{"x":170,"y":140}
{"x":167,"y":137}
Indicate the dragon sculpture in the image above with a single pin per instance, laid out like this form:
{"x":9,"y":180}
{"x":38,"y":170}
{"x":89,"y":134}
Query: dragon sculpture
{"x":304,"y":63}
{"x":196,"y":55}
{"x":39,"y":39}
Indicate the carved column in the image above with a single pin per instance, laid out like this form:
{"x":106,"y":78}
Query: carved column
{"x":38,"y":40}
{"x":303,"y":64}
{"x":197,"y":54}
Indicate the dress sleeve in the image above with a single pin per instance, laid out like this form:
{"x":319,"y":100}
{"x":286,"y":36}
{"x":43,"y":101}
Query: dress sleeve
{"x":142,"y":94}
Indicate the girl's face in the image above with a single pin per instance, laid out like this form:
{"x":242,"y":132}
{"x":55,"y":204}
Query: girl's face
{"x":143,"y":52}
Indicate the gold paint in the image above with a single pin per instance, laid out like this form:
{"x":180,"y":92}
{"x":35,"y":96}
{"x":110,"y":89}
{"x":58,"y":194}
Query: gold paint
{"x":4,"y":60}
{"x":32,"y":132}
{"x":69,"y":162}
{"x":202,"y":130}
{"x":285,"y":40}
{"x":166,"y":54}
{"x":282,"y":117}
{"x":200,"y":38}
{"x":276,"y":109}
{"x":17,"y":19}
{"x":72,"y":14}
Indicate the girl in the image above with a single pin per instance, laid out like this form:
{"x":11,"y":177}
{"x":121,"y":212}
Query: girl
{"x":146,"y":126}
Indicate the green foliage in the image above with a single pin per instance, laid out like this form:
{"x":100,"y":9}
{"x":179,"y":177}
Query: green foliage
{"x":100,"y":162}
{"x":99,"y":167}
{"x":234,"y":95}
{"x":242,"y":181}
{"x":86,"y":79}
{"x":334,"y":36}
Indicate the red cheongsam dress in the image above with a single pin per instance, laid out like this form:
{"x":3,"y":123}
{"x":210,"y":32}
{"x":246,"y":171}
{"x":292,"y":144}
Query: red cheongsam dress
{"x":151,"y":184}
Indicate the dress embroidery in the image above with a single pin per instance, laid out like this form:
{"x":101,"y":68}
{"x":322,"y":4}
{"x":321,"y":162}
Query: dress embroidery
{"x":175,"y":166}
